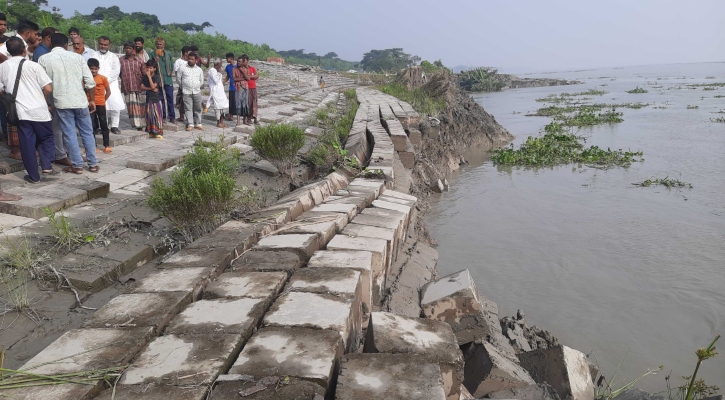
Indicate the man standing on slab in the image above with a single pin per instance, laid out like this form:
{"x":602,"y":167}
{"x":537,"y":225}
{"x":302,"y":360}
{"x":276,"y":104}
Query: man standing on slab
{"x":132,"y":70}
{"x":165,"y":62}
{"x":231,"y":64}
{"x":34,"y":128}
{"x":190,"y":78}
{"x":72,"y":81}
{"x":111,"y":69}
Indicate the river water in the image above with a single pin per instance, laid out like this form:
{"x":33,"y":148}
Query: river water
{"x":604,"y":265}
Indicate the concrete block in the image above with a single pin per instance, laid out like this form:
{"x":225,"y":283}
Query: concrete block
{"x":155,"y":392}
{"x":232,"y":235}
{"x":367,"y":193}
{"x":540,"y":391}
{"x":187,"y":280}
{"x":361,"y":261}
{"x":407,"y":158}
{"x":437,"y":186}
{"x":265,"y":388}
{"x":370,"y":184}
{"x":139,"y":309}
{"x":188,"y":360}
{"x":389,"y":376}
{"x":394,"y":217}
{"x":360,"y":202}
{"x":325,"y":230}
{"x":154,"y":163}
{"x":265,"y":167}
{"x":303,"y":196}
{"x":301,"y":244}
{"x":87,"y":349}
{"x":387,"y":234}
{"x":435,"y":340}
{"x":217,"y":258}
{"x":488,"y":371}
{"x":341,"y":282}
{"x":267,"y":261}
{"x":386,"y":205}
{"x":55,"y":392}
{"x":300,"y":353}
{"x":379,"y":250}
{"x":340,"y":219}
{"x":415,"y":137}
{"x":454,"y":299}
{"x":349,"y":209}
{"x":130,"y":255}
{"x":267,"y":220}
{"x":89,"y":273}
{"x":227,"y":316}
{"x":318,"y":311}
{"x":240,"y":284}
{"x":248,"y":129}
{"x":564,"y":368}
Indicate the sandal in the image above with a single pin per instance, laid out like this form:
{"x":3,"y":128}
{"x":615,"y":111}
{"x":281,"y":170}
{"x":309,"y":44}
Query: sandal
{"x":77,"y":171}
{"x":94,"y":168}
{"x":51,"y":172}
{"x":107,"y":150}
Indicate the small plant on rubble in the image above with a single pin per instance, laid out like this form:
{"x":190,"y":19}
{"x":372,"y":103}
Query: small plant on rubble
{"x":279,"y":145}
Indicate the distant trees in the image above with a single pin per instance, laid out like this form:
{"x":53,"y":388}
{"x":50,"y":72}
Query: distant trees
{"x":389,"y":60}
{"x":329,"y":61}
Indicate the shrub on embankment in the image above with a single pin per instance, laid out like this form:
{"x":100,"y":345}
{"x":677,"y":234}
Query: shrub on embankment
{"x":329,"y":152}
{"x":200,"y":194}
{"x":278,"y":144}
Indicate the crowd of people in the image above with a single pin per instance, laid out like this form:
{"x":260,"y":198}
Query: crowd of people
{"x":61,"y":92}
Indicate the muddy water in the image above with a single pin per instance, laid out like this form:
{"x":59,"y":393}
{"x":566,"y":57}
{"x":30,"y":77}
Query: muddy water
{"x":606,"y":266}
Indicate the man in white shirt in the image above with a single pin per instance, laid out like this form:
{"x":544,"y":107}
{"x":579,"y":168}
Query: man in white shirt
{"x":179,"y":94}
{"x":190,"y":78}
{"x":28,"y":32}
{"x":111,"y":69}
{"x":34,"y":127}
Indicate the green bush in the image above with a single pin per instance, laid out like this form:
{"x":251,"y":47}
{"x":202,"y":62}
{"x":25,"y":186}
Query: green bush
{"x":200,"y":194}
{"x":278,"y":144}
{"x":417,"y":98}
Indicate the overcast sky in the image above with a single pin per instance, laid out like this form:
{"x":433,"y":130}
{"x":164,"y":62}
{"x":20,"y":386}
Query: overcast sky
{"x":516,"y":36}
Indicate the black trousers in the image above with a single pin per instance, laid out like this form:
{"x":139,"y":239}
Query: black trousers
{"x":232,"y":102}
{"x":101,"y":122}
{"x":36,"y":136}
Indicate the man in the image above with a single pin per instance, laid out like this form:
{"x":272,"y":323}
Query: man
{"x":34,"y":127}
{"x":79,"y":47}
{"x":132,"y":70}
{"x":72,"y":81}
{"x":231,"y":64}
{"x":190,"y":78}
{"x":253,"y":98}
{"x":28,"y":31}
{"x":73,"y":33}
{"x":199,"y":61}
{"x":44,"y":46}
{"x":3,"y":24}
{"x":141,"y":53}
{"x":111,"y":69}
{"x":180,"y":95}
{"x":165,"y":62}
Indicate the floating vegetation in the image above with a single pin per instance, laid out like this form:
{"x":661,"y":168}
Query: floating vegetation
{"x":637,"y":90}
{"x":565,"y":97}
{"x":709,"y":77}
{"x":719,"y":96}
{"x":667,"y":182}
{"x":558,"y":147}
{"x":721,"y":84}
{"x":709,"y":88}
{"x":689,"y":107}
{"x":719,"y":120}
{"x":587,"y":117}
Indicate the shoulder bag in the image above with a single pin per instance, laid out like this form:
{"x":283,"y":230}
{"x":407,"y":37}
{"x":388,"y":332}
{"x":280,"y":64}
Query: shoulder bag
{"x":8,"y":101}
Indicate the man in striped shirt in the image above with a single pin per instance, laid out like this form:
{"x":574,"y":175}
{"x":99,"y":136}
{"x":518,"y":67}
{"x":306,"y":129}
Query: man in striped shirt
{"x":190,"y":78}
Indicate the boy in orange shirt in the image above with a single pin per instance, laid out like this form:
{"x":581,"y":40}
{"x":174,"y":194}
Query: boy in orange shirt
{"x":100,"y":94}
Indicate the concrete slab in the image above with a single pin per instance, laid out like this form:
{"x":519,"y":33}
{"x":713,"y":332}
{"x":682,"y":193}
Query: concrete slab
{"x":307,"y":354}
{"x":379,"y":250}
{"x":454,"y":299}
{"x":217,"y":258}
{"x":367,"y":184}
{"x":267,"y":261}
{"x":227,"y":316}
{"x":155,"y":392}
{"x":368,"y":219}
{"x":488,"y":371}
{"x":89,"y":273}
{"x":360,"y":202}
{"x":394,"y":207}
{"x":265,"y":167}
{"x":389,"y":376}
{"x":233,"y":235}
{"x":301,"y":244}
{"x":391,"y":215}
{"x":361,"y":261}
{"x":154,"y":163}
{"x":88,"y":349}
{"x":188,"y":360}
{"x":55,"y":392}
{"x":265,"y":388}
{"x":348,"y":209}
{"x":435,"y":340}
{"x":139,"y":309}
{"x":318,"y":311}
{"x":325,"y":230}
{"x":239,"y":284}
{"x":368,"y":195}
{"x":562,"y":367}
{"x":187,"y":280}
{"x":397,"y":198}
{"x":375,"y":232}
{"x":340,"y":219}
{"x":340,"y":282}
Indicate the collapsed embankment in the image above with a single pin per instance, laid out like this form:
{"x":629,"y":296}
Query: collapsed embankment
{"x":488,"y":341}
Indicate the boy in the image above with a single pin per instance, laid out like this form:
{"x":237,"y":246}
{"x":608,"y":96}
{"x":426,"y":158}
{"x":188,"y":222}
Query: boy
{"x":151,"y":83}
{"x":100,"y":94}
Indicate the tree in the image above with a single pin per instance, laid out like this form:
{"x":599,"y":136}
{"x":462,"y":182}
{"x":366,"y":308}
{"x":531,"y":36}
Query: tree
{"x":388,"y":60}
{"x":331,"y":54}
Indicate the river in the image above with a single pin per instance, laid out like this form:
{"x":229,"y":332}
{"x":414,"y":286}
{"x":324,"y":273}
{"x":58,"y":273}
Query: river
{"x":604,"y":265}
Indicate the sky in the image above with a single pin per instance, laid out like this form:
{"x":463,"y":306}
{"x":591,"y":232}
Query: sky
{"x":513,"y":35}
